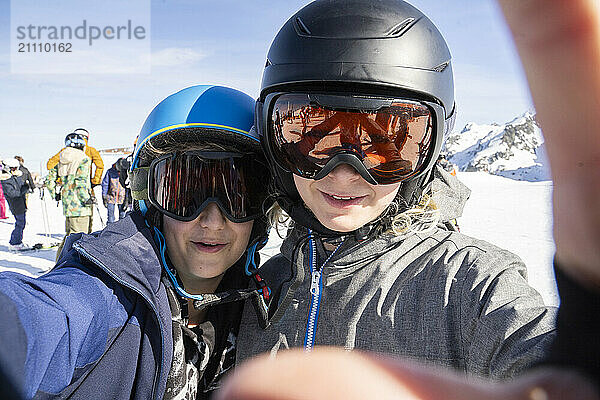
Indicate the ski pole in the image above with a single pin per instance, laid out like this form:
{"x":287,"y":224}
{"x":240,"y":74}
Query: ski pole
{"x":45,"y":213}
{"x":45,"y":216}
{"x":99,"y":214}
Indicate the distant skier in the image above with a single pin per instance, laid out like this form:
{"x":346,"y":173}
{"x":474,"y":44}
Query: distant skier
{"x":113,"y":192}
{"x":2,"y":198}
{"x":72,"y":175}
{"x":94,"y":155}
{"x":122,"y":166}
{"x":26,"y":174}
{"x":15,"y":188}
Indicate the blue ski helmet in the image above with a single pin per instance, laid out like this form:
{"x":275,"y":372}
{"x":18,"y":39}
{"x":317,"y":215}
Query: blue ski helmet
{"x":219,"y":113}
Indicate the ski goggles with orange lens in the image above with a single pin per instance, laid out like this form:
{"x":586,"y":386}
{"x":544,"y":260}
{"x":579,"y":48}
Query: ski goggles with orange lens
{"x":386,"y":140}
{"x":181,"y":185}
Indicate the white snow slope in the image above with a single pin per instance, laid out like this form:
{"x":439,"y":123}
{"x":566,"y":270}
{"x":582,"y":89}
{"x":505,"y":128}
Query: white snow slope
{"x":515,"y":215}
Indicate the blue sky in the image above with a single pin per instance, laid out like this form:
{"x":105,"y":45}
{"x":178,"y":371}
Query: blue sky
{"x":225,"y":42}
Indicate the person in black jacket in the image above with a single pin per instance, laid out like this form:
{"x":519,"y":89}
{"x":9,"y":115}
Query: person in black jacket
{"x":26,"y":174}
{"x":15,"y":188}
{"x":123,"y":164}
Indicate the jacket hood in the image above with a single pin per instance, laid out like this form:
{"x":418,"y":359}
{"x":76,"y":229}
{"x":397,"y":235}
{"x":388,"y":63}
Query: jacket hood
{"x":449,"y":194}
{"x":69,"y":160}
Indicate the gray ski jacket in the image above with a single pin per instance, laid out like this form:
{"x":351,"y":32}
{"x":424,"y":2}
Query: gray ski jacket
{"x":442,"y":298}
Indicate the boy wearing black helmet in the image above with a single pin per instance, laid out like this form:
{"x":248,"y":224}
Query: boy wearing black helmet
{"x":146,"y":308}
{"x":573,"y":144}
{"x":365,"y":265}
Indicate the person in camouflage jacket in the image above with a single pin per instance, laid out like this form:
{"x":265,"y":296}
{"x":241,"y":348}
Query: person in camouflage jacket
{"x":72,"y":174}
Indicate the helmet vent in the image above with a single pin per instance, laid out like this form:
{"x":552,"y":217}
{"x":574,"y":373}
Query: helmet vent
{"x":302,"y":28}
{"x":267,"y":63}
{"x":399,"y":29}
{"x":442,"y":66}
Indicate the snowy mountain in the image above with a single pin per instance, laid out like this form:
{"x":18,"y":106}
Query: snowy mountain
{"x":513,"y":150}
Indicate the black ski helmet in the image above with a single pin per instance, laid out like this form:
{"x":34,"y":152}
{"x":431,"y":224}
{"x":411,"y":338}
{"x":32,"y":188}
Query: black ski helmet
{"x":357,"y":47}
{"x":75,"y":140}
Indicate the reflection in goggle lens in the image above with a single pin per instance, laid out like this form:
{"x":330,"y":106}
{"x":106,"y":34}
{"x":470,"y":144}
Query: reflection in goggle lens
{"x":392,"y":141}
{"x":181,"y":185}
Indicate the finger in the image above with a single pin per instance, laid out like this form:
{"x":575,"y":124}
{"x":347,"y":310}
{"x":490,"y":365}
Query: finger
{"x":559,"y":45}
{"x":540,"y":384}
{"x":329,"y":373}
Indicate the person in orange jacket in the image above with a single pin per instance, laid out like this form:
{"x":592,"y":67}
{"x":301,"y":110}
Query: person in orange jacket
{"x":94,"y":155}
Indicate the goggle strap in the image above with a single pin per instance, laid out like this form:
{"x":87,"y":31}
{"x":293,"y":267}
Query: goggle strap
{"x":251,"y":270}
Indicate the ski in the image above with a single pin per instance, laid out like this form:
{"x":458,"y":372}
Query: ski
{"x":37,"y":246}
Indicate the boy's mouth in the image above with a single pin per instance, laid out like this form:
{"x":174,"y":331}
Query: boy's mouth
{"x":209,"y":247}
{"x":342,"y":200}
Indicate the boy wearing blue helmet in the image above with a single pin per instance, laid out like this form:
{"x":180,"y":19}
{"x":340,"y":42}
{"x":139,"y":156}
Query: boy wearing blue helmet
{"x":146,"y":308}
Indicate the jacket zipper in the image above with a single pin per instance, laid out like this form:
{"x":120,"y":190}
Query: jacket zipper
{"x":316,"y":286}
{"x":127,"y":285}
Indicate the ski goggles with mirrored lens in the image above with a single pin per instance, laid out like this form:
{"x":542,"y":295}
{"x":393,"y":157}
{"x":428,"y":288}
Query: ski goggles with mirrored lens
{"x":387,"y":140}
{"x":181,"y":185}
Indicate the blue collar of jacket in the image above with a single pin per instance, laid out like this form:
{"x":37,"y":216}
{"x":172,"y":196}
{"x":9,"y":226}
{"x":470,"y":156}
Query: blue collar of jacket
{"x":125,"y":250}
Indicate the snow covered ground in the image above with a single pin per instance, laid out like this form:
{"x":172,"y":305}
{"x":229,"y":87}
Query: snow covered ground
{"x":515,"y":215}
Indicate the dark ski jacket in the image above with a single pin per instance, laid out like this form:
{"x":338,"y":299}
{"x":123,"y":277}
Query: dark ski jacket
{"x":98,"y":325}
{"x":112,"y":190}
{"x":15,"y":188}
{"x":27,"y":177}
